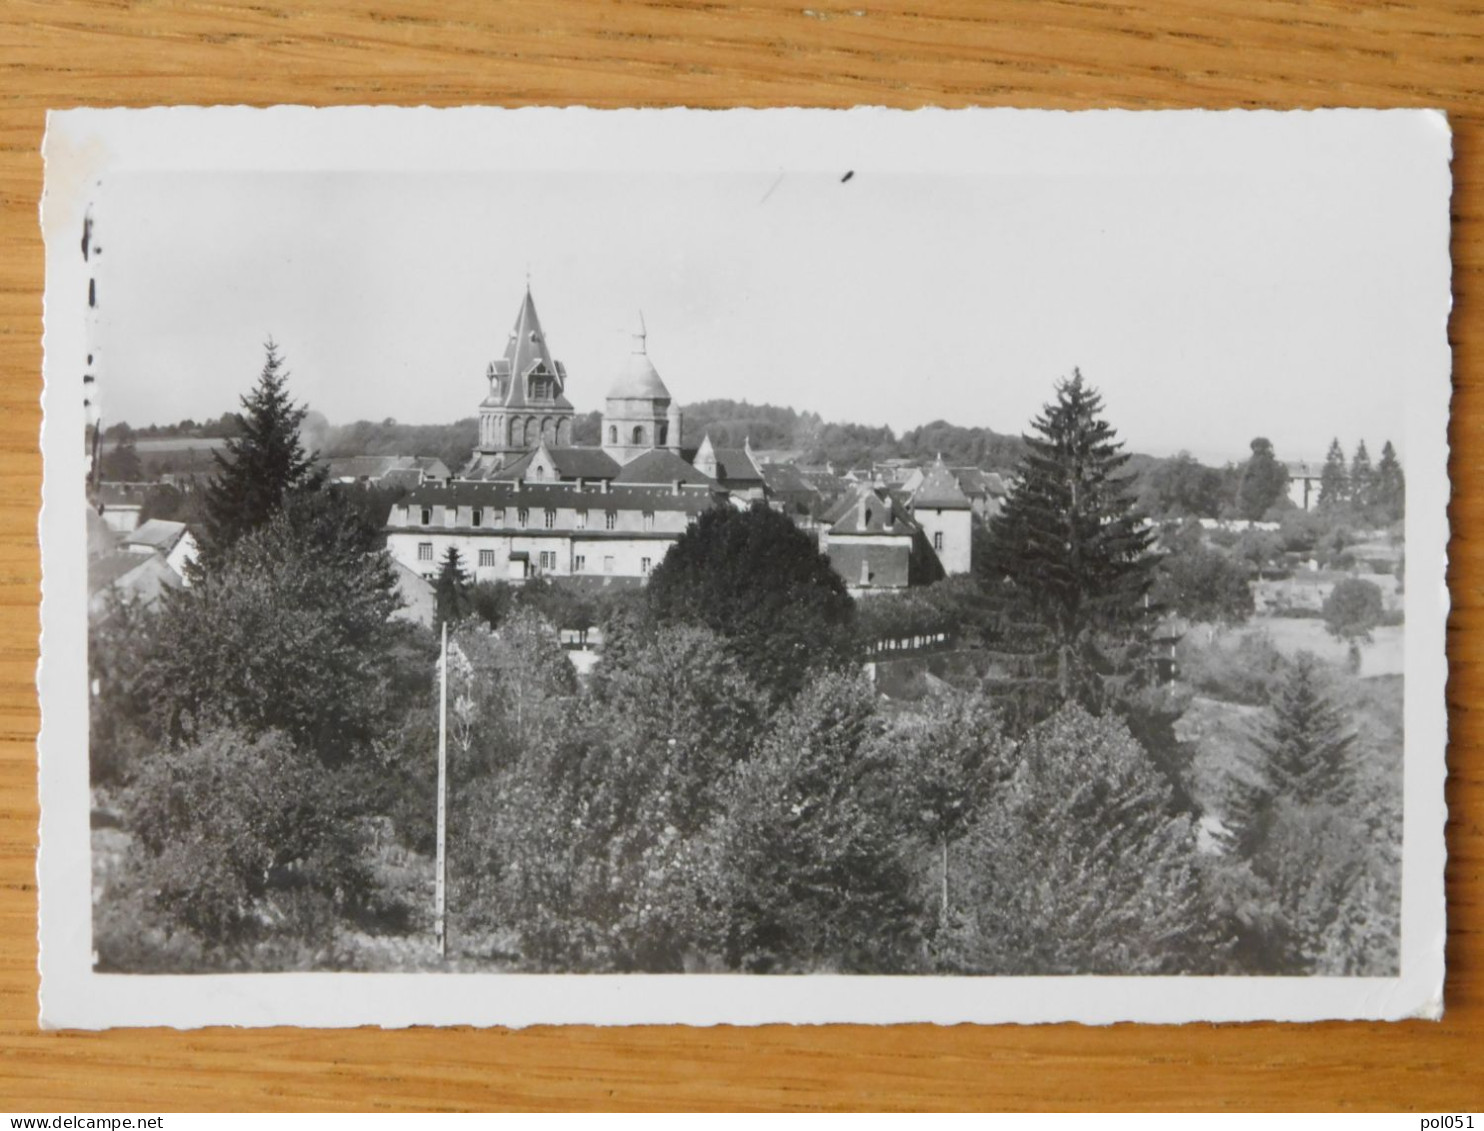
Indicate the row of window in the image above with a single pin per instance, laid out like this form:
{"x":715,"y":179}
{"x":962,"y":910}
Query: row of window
{"x":547,"y":560}
{"x":548,"y":518}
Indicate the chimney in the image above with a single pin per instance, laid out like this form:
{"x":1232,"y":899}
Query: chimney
{"x":676,"y":484}
{"x":581,"y":483}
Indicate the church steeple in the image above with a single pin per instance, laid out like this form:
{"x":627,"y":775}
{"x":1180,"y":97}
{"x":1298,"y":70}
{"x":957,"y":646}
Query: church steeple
{"x":527,"y":400}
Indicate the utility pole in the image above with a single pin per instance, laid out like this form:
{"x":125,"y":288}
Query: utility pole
{"x":439,"y":930}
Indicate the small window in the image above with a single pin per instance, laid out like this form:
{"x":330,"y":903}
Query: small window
{"x":644,"y":564}
{"x":498,"y":518}
{"x":608,"y":564}
{"x":427,"y":516}
{"x":522,"y":517}
{"x":425,"y":551}
{"x":638,"y":434}
{"x":937,"y":539}
{"x":550,"y":518}
{"x":582,"y":520}
{"x":663,"y":436}
{"x":540,"y":472}
{"x":612,"y":434}
{"x":548,"y":559}
{"x":610,"y":520}
{"x":579,"y":564}
{"x":477,"y":517}
{"x":487,"y":559}
{"x":649,"y":520}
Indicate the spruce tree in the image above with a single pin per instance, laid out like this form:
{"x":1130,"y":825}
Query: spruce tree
{"x":1389,"y":488}
{"x":1304,"y":756}
{"x":1362,"y":479}
{"x":1334,"y":480}
{"x":261,"y":466}
{"x":451,"y":591}
{"x":1069,"y":555}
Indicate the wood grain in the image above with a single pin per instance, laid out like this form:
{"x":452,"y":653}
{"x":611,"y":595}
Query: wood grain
{"x":712,"y":53}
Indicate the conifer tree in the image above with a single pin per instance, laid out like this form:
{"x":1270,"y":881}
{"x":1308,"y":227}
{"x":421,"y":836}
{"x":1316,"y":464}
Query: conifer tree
{"x":1362,"y":479}
{"x":1304,"y":756}
{"x":1389,"y":489}
{"x":1069,"y":551}
{"x":1334,"y":480}
{"x":261,"y":467}
{"x":451,"y":591}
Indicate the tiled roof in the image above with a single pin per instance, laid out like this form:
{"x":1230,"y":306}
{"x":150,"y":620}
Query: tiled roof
{"x":140,"y":575}
{"x":865,"y":511}
{"x":570,"y":463}
{"x":158,"y":534}
{"x":940,"y":490}
{"x":463,"y":493}
{"x":784,"y":478}
{"x":734,"y":465}
{"x":659,"y":467}
{"x":888,"y":564}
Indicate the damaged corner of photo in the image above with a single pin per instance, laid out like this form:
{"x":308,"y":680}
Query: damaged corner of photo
{"x":795,"y":566}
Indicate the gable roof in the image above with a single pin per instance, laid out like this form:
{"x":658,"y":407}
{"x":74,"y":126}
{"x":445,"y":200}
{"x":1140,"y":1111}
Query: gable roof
{"x":660,"y":466}
{"x":940,"y":490}
{"x":735,"y":465}
{"x":867,"y":511}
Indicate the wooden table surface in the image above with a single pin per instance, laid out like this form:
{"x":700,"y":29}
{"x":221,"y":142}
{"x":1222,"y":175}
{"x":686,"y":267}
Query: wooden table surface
{"x":1223,"y":53}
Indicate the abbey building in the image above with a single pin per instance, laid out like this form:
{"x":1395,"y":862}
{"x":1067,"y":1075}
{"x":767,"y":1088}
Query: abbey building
{"x":533,"y":502}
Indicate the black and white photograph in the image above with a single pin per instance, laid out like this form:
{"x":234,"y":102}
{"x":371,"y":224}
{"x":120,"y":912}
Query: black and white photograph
{"x":859,"y":566}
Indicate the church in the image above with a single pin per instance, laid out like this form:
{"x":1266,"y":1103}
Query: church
{"x":533,"y":503}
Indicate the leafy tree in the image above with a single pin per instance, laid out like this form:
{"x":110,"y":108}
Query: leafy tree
{"x":1334,"y":480}
{"x":1080,"y":866}
{"x":950,"y":756}
{"x":451,"y":591}
{"x":1304,"y":756}
{"x":1389,"y":488}
{"x":289,"y":632}
{"x":1353,"y":608}
{"x":815,"y":875}
{"x":249,"y":846}
{"x":1069,"y":552}
{"x":1264,"y":481}
{"x":260,"y":468}
{"x":1333,"y":895}
{"x":1182,"y":487}
{"x":758,"y":581}
{"x":121,"y":464}
{"x":1204,"y":584}
{"x":1362,"y":479}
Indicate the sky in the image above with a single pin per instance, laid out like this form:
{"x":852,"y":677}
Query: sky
{"x":1273,"y":295}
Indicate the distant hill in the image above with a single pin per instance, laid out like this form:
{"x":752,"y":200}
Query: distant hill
{"x":845,"y":445}
{"x":729,"y":423}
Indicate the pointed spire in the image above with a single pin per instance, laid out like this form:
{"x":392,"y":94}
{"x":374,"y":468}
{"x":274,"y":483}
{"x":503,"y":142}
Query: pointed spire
{"x":640,"y":335}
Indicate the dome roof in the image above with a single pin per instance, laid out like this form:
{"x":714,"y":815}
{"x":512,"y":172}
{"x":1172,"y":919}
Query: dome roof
{"x":638,"y":380}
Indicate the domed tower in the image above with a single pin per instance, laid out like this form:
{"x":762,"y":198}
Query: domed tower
{"x":640,"y":414}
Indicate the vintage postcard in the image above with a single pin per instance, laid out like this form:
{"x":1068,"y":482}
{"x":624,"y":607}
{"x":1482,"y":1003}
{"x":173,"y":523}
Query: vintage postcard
{"x":510,"y":567}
